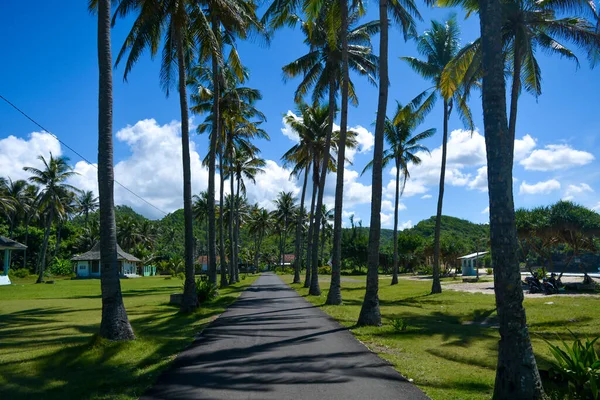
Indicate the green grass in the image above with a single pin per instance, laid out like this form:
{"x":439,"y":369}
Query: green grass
{"x":450,"y":345}
{"x":49,"y":347}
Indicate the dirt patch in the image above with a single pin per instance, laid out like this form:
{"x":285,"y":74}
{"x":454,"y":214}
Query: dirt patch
{"x":488,"y":288}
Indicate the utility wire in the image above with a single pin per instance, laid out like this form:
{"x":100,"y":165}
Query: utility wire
{"x":77,"y":153}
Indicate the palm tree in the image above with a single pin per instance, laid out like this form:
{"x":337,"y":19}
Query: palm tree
{"x":87,"y":203}
{"x":114,"y":324}
{"x":52,"y":196}
{"x":200,"y":208}
{"x":528,"y":26}
{"x":440,"y":45}
{"x":326,"y":218}
{"x":403,"y":13}
{"x":246,"y":165}
{"x":16,"y":192}
{"x":31,"y":210}
{"x":283,"y":214}
{"x":259,"y":225}
{"x":6,"y":202}
{"x":179,"y":25}
{"x":402,"y":151}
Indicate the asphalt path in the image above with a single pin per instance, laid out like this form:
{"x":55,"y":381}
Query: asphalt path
{"x":273,"y":344}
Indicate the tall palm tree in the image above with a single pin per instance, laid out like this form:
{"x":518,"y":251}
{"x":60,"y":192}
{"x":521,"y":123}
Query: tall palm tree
{"x":517,"y":376}
{"x":52,"y":198}
{"x":246,"y":166}
{"x":404,"y":13}
{"x":200,"y":208}
{"x":321,"y":71}
{"x":528,"y":26}
{"x":178,"y":25}
{"x":31,"y":210}
{"x":283,"y":214}
{"x":16,"y":191}
{"x":87,"y":202}
{"x":325,"y":218}
{"x":6,"y":202}
{"x":259,"y":225}
{"x":402,"y":151}
{"x":440,"y":45}
{"x":114,"y":324}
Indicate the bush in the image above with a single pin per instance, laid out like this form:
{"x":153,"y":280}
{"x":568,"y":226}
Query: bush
{"x":489,"y":271}
{"x":400,"y":324}
{"x":578,"y":365}
{"x":425,"y":269}
{"x":181,"y":276}
{"x":325,"y":270}
{"x":18,"y":273}
{"x":60,"y":267}
{"x":206,"y":291}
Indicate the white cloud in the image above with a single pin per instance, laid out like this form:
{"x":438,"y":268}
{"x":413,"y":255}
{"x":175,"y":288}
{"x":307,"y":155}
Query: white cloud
{"x":268,"y":185}
{"x":545,"y":187}
{"x":16,"y":153}
{"x":406,"y":225}
{"x":386,"y":220}
{"x":577,"y":190}
{"x":486,"y":210}
{"x":426,"y":196}
{"x":596,"y":207}
{"x":287,"y":130}
{"x":556,"y":156}
{"x":523,"y":147}
{"x":355,"y":192}
{"x":480,"y":182}
{"x":388,"y":206}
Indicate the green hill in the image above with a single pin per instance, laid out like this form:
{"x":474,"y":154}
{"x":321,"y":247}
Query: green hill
{"x":453,"y":227}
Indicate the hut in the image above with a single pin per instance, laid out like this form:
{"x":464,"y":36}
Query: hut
{"x":8,"y":246}
{"x":469,"y":263}
{"x":87,"y":265}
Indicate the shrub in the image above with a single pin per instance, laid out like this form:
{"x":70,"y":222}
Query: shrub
{"x":60,"y":267}
{"x":400,"y":324}
{"x":325,"y":270}
{"x":18,"y":273}
{"x":206,"y":291}
{"x":578,"y":365}
{"x":489,"y":271}
{"x":425,"y":269}
{"x":181,"y":276}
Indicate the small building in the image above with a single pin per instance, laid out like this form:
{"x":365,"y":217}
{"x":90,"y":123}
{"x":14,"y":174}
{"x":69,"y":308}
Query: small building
{"x":8,"y":246}
{"x":288,"y":260}
{"x":87,"y":265}
{"x":470,"y":262}
{"x":148,"y":270}
{"x":202,"y":261}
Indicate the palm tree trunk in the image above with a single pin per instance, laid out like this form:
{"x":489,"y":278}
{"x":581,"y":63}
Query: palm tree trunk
{"x":315,"y":290}
{"x":311,"y":224}
{"x":237,"y":232}
{"x":514,"y":94}
{"x":114,"y":324}
{"x":28,"y":220}
{"x":190,"y":298}
{"x":369,"y":312}
{"x":298,"y":246}
{"x":232,"y":278}
{"x":395,"y":267}
{"x":58,"y":238}
{"x":212,"y":156}
{"x":334,"y":296}
{"x":280,"y":263}
{"x":45,"y":246}
{"x":224,"y":281}
{"x":517,"y":376}
{"x":436,"y":286}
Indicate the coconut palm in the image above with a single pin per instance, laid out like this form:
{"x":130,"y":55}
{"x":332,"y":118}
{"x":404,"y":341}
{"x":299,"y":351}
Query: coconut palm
{"x":179,"y":26}
{"x":440,"y":45}
{"x":31,"y":211}
{"x":200,"y":208}
{"x":403,"y":13}
{"x":259,"y":225}
{"x":529,"y":26}
{"x":517,"y":376}
{"x":87,"y":202}
{"x":53,"y":196}
{"x":283,"y":215}
{"x":246,"y":165}
{"x":6,"y":202}
{"x":402,"y":151}
{"x":16,"y":192}
{"x":326,"y":218}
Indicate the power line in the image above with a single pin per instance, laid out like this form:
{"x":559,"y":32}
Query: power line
{"x":77,"y":153}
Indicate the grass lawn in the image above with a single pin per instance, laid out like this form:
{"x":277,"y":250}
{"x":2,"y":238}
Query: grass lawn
{"x":49,"y":350}
{"x":450,"y":345}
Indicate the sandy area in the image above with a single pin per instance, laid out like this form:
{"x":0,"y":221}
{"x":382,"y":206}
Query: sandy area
{"x":488,"y":288}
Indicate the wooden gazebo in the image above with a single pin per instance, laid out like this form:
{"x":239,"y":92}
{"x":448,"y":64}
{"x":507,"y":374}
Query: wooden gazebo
{"x":8,"y":245}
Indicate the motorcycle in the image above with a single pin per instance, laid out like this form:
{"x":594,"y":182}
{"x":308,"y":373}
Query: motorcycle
{"x":535,"y":286}
{"x":547,"y":285}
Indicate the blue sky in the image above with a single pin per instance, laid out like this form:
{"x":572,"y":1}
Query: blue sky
{"x":50,"y":71}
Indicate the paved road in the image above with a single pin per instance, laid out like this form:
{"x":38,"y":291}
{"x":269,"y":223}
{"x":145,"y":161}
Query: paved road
{"x":273,"y":344}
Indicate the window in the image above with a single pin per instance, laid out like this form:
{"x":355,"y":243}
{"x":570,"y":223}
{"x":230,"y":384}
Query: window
{"x":82,"y":266}
{"x":95,"y":267}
